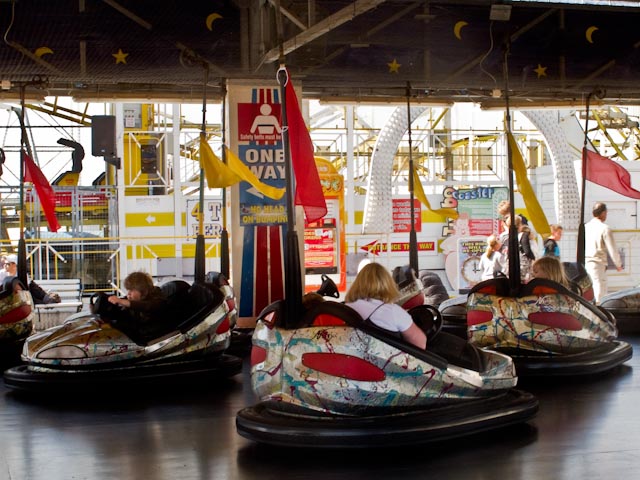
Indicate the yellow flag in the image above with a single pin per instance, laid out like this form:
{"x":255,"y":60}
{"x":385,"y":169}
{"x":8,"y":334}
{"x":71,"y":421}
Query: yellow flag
{"x":537,"y":216}
{"x":245,"y":173}
{"x":219,"y":175}
{"x":418,"y":192}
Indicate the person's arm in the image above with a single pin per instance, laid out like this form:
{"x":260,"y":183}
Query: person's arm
{"x":116,"y":300}
{"x":612,"y":248}
{"x":415,"y":336}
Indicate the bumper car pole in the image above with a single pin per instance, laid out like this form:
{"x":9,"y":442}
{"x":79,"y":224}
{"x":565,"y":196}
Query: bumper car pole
{"x":292,"y":268}
{"x":224,"y":235}
{"x":413,"y":241}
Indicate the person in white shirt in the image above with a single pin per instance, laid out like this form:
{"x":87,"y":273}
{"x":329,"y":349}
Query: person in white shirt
{"x":10,"y":267}
{"x":492,"y":261}
{"x":598,"y":241}
{"x":372,"y":294}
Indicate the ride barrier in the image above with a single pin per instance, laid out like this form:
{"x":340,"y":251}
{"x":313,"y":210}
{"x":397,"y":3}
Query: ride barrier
{"x":52,"y":314}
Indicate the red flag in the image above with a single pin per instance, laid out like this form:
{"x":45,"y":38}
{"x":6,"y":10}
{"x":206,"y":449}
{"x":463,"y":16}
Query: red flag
{"x":609,"y":174}
{"x":45,"y":193}
{"x":308,"y":188}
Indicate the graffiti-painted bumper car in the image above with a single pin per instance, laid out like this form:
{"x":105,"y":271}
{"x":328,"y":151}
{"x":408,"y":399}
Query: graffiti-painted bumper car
{"x":547,"y":329}
{"x":337,"y":381}
{"x":624,"y":305}
{"x":16,"y":323}
{"x":97,"y":351}
{"x":454,"y":310}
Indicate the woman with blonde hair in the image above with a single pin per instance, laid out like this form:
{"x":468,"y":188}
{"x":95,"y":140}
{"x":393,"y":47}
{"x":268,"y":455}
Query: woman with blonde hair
{"x":372,"y":295}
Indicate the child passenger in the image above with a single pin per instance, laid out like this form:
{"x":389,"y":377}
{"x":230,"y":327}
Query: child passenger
{"x":492,"y":260}
{"x":143,"y":305}
{"x":550,"y":268}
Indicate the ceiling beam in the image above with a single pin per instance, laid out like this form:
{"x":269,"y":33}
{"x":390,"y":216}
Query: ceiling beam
{"x":129,"y":14}
{"x":295,"y":20}
{"x":322,"y":27}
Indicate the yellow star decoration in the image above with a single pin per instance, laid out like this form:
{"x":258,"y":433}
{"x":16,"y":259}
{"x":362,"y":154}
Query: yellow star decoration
{"x":120,"y":57}
{"x":394,"y":67}
{"x":541,"y":71}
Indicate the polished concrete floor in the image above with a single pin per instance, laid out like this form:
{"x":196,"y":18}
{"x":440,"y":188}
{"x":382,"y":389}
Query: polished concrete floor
{"x":586,"y":429}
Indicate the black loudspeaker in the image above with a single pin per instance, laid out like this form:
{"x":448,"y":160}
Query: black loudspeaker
{"x":103,"y":136}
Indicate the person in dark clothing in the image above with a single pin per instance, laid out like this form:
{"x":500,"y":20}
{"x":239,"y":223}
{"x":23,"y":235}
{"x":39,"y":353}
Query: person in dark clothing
{"x":551,"y":248}
{"x":142,"y":308}
{"x":525,"y":237}
{"x":38,"y":294}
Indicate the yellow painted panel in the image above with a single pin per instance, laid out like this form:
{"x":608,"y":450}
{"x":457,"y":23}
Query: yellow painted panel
{"x":149,"y":219}
{"x":151,"y":251}
{"x":211,"y":251}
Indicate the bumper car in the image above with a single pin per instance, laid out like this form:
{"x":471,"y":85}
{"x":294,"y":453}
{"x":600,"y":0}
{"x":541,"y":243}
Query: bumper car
{"x":98,"y":350}
{"x":16,"y":322}
{"x":624,"y":305}
{"x":454,"y":310}
{"x":337,"y":381}
{"x":546,"y":328}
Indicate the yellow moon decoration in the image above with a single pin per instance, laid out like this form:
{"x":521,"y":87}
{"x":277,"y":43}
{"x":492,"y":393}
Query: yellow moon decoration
{"x":210,"y":20}
{"x":589,"y":33}
{"x":39,"y":52}
{"x":458,"y":27}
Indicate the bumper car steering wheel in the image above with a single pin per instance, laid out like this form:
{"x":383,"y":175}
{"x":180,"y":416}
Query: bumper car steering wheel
{"x":428,"y":319}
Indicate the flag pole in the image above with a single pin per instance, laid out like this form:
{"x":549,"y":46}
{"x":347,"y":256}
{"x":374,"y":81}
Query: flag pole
{"x":413,"y":242}
{"x":24,"y":150}
{"x":580,"y":257}
{"x":199,"y":273}
{"x":224,"y":235}
{"x":292,"y":267}
{"x":514,"y":257}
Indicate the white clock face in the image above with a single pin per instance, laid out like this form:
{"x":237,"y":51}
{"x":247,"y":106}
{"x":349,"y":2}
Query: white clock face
{"x":471,"y":270}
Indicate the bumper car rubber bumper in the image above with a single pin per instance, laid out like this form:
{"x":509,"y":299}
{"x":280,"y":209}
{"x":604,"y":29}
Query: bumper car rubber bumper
{"x":34,"y":379}
{"x":597,"y":360}
{"x":278,"y":423}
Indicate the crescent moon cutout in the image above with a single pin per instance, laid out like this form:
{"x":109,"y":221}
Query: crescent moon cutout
{"x":39,"y":52}
{"x":210,"y":19}
{"x":458,"y":27}
{"x":589,"y":33}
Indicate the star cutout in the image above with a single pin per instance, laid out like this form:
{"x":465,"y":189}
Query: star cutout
{"x":394,"y":67}
{"x":541,"y":71}
{"x":120,"y":57}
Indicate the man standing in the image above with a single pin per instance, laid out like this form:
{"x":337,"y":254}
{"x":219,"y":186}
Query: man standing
{"x":598,"y":242}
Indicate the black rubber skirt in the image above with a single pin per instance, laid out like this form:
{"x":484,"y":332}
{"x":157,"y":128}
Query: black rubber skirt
{"x":140,"y":376}
{"x":598,"y":360}
{"x":627,"y":321}
{"x":277,"y":423}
